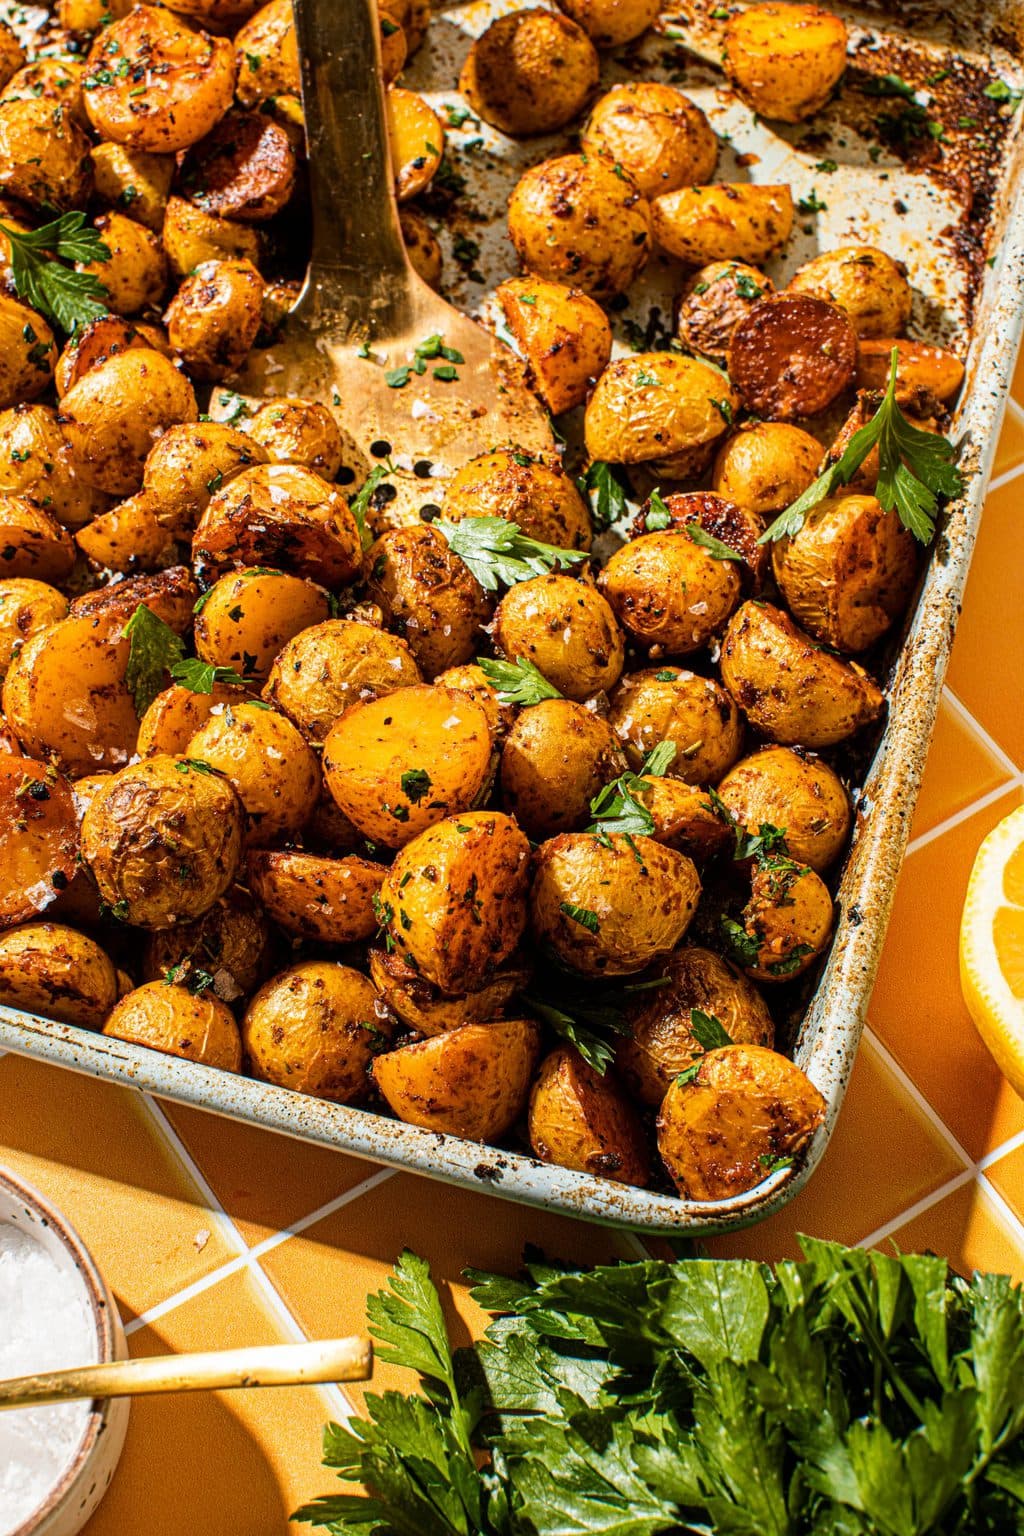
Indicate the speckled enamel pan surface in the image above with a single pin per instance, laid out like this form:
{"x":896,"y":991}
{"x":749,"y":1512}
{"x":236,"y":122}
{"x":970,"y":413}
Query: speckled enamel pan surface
{"x":871,"y":195}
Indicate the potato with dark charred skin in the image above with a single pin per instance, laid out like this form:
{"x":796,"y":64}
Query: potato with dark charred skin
{"x":170,"y":594}
{"x":428,"y":596}
{"x":313,"y":1029}
{"x":178,"y":1022}
{"x":50,"y":969}
{"x":766,"y":465}
{"x":232,"y":942}
{"x":243,"y":169}
{"x":795,"y":792}
{"x":792,"y":356}
{"x":214,"y":316}
{"x":324,"y":669}
{"x":713,"y":303}
{"x":279,"y":515}
{"x":573,"y":220}
{"x":556,"y":758}
{"x":313,"y":897}
{"x":658,"y":135}
{"x":661,"y":410}
{"x":697,"y":513}
{"x":869,"y":287}
{"x":566,"y":628}
{"x":470,"y":1082}
{"x":248,"y":617}
{"x":785,"y":60}
{"x":787,"y":922}
{"x":32,"y":542}
{"x":669,"y":593}
{"x":926,"y":377}
{"x":271,"y":767}
{"x":694,"y":713}
{"x":190,"y":463}
{"x":747,"y":1109}
{"x":540,"y":498}
{"x":423,"y":1007}
{"x":563,"y":334}
{"x":531,"y":71}
{"x":582,"y":1121}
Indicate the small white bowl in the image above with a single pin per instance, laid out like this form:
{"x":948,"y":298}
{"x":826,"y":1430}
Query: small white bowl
{"x":73,"y":1499}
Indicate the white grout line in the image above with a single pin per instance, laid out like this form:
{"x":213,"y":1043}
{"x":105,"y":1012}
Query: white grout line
{"x":321,"y":1213}
{"x":211,"y":1202}
{"x":992,"y":747}
{"x":958,"y":817}
{"x":917,"y":1209}
{"x":1013,"y":409}
{"x":161,"y":1308}
{"x":1005,"y":478}
{"x":331,"y":1393}
{"x":1004,"y":1211}
{"x":1003,"y":1150}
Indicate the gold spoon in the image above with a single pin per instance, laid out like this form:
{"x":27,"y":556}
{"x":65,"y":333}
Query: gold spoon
{"x":271,"y":1365}
{"x":363,"y":310}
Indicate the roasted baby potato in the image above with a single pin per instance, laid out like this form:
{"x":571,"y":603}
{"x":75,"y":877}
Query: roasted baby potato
{"x":658,"y":135}
{"x":454,"y":900}
{"x":539,"y":497}
{"x":926,"y":376}
{"x":36,"y":461}
{"x":127,"y":538}
{"x":428,"y":596}
{"x":273,"y":771}
{"x":133,"y":179}
{"x":214,"y":316}
{"x":470,"y":679}
{"x":92,"y":344}
{"x":869,"y":287}
{"x":470,"y":1082}
{"x":416,"y":139}
{"x":25,"y":607}
{"x":611,"y":22}
{"x":190,"y":463}
{"x":659,"y":409}
{"x":243,"y":169}
{"x":422,"y":246}
{"x":562,"y":333}
{"x":694,"y":713}
{"x":766,"y":465}
{"x":531,"y":71}
{"x":556,"y":758}
{"x":232,"y":942}
{"x":28,"y":352}
{"x":669,"y":593}
{"x":367,"y":756}
{"x":313,"y":1029}
{"x":573,"y":220}
{"x":44,"y":155}
{"x":697,"y":513}
{"x":787,"y":922}
{"x":324,"y":669}
{"x":582,"y":1121}
{"x":302,"y":432}
{"x":713,"y":303}
{"x":247,"y":617}
{"x":785,"y":60}
{"x":177,"y":713}
{"x":267,"y":54}
{"x":312,"y":897}
{"x":38,"y":837}
{"x":192,"y":236}
{"x":168,"y":1018}
{"x":170,"y":595}
{"x":55,"y":80}
{"x":730,"y":221}
{"x":789,"y":689}
{"x":32,"y":542}
{"x":279,"y":515}
{"x":114,"y":414}
{"x":423,"y":1007}
{"x":792,"y":356}
{"x":566,"y":628}
{"x":163,"y":839}
{"x":134,"y":275}
{"x":661,"y":1042}
{"x":683,"y":815}
{"x":747,"y":1108}
{"x":610,"y":907}
{"x":795,"y":792}
{"x":50,"y":969}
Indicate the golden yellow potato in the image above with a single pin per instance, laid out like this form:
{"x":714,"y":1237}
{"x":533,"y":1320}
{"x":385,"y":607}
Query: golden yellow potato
{"x":427,"y":595}
{"x":279,"y":515}
{"x":177,"y":85}
{"x":38,"y":836}
{"x":573,"y":220}
{"x":421,"y":1006}
{"x":556,"y":758}
{"x":789,"y":689}
{"x":454,"y":901}
{"x":44,"y":156}
{"x":785,"y":60}
{"x":272,"y":770}
{"x":327,"y":667}
{"x":566,"y":628}
{"x":766,"y":465}
{"x":312,"y":897}
{"x":248,"y":616}
{"x":714,"y":301}
{"x":416,"y":139}
{"x":26,"y":606}
{"x":134,"y":275}
{"x":55,"y":80}
{"x":36,"y":461}
{"x":658,"y":135}
{"x":116,"y":411}
{"x":694,"y":713}
{"x":127,"y":538}
{"x":470,"y":1082}
{"x":530,"y":72}
{"x":65,"y":693}
{"x":610,"y":908}
{"x":748,"y":1106}
{"x":178,"y":1022}
{"x":163,"y":839}
{"x":296,"y":431}
{"x":192,"y":236}
{"x":177,"y":713}
{"x":398,"y":764}
{"x":244,"y":169}
{"x":926,"y":376}
{"x":28,"y":352}
{"x":422,"y":246}
{"x":313,"y":1029}
{"x":539,"y":497}
{"x":799,"y":794}
{"x":32,"y":542}
{"x":470,"y":679}
{"x":213,"y":318}
{"x":94,"y":343}
{"x":661,"y":1042}
{"x":660,"y":409}
{"x":562,"y":333}
{"x":611,"y":22}
{"x":170,"y":595}
{"x":192,"y":462}
{"x":582,"y":1121}
{"x":49,"y":969}
{"x":787,"y":922}
{"x":133,"y":180}
{"x":683,"y":815}
{"x":232,"y":942}
{"x":267,"y":54}
{"x":730,"y":221}
{"x":89,"y":15}
{"x":12,"y":55}
{"x":670,"y":593}
{"x":869,"y":286}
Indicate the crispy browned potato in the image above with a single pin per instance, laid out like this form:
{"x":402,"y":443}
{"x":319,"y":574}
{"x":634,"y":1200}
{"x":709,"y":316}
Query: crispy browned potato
{"x":423,"y":1007}
{"x":133,"y":180}
{"x":658,"y":135}
{"x":422,"y":246}
{"x":398,"y":764}
{"x":562,"y":333}
{"x":38,"y":837}
{"x":279,"y":515}
{"x":323,"y":670}
{"x":273,"y":771}
{"x":539,"y":497}
{"x":113,"y":415}
{"x":785,"y":60}
{"x":192,"y":462}
{"x":470,"y":679}
{"x":163,"y":839}
{"x":611,"y":22}
{"x":297,"y":431}
{"x":683,"y":815}
{"x":94,"y":343}
{"x":32,"y":542}
{"x":789,"y":689}
{"x":50,"y":969}
{"x":926,"y":376}
{"x":556,"y":758}
{"x":28,"y":352}
{"x":44,"y":155}
{"x":693,"y":712}
{"x":531,"y":71}
{"x":12,"y":55}
{"x":393,"y":47}
{"x":799,"y":794}
{"x":428,"y":596}
{"x":213,"y":318}
{"x":413,"y":16}
{"x":314,"y":1029}
{"x":25,"y":607}
{"x":178,"y":1022}
{"x":787,"y":922}
{"x":134,"y":275}
{"x":192,"y":236}
{"x":734,"y":221}
{"x":470,"y":1082}
{"x":267,"y":54}
{"x":868,"y":286}
{"x":127,"y":538}
{"x":669,"y":593}
{"x":313,"y":897}
{"x":792,"y":356}
{"x":171,"y":595}
{"x":728,"y":523}
{"x":232,"y":942}
{"x":572,"y":219}
{"x":713,"y":303}
{"x":582,"y":1121}
{"x":566,"y":628}
{"x":55,"y":80}
{"x":36,"y":461}
{"x":247,"y":617}
{"x":661,"y":1042}
{"x":454,"y":900}
{"x":766,"y":465}
{"x":177,"y":713}
{"x":659,"y":409}
{"x":243,"y":169}
{"x":416,"y":139}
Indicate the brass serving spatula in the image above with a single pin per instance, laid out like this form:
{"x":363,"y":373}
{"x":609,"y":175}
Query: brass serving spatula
{"x":364,"y":311}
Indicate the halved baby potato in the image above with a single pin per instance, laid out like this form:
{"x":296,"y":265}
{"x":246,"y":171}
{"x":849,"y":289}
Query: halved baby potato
{"x":470,"y":1082}
{"x":168,"y":1018}
{"x":563,"y":334}
{"x":327,"y":667}
{"x":738,"y":221}
{"x":247,"y":617}
{"x":313,"y":897}
{"x":583,"y":1121}
{"x":423,"y":1007}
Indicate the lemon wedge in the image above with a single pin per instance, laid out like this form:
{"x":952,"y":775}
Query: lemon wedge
{"x":992,"y":946}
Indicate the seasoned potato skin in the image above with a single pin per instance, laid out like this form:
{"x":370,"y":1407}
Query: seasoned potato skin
{"x":36,"y":461}
{"x":785,"y":59}
{"x":135,"y":273}
{"x":172,"y":1019}
{"x":269,"y":39}
{"x":541,"y":499}
{"x":669,"y":593}
{"x":926,"y":376}
{"x":714,"y":301}
{"x":566,"y":628}
{"x":190,"y":463}
{"x":799,"y":794}
{"x":428,"y":596}
{"x":640,"y":894}
{"x":232,"y":940}
{"x":32,"y":541}
{"x":192,"y":236}
{"x":171,"y":595}
{"x":656,"y":133}
{"x":732,"y":525}
{"x":28,"y":352}
{"x":661,"y":1042}
{"x":471,"y":1082}
{"x":747,"y":1106}
{"x":870,"y":288}
{"x":421,"y":1006}
{"x":25,"y":607}
{"x":556,"y":758}
{"x":789,"y":917}
{"x":213,"y":318}
{"x":279,"y":515}
{"x":660,"y":409}
{"x":531,"y":71}
{"x":94,"y":343}
{"x":249,"y":616}
{"x":243,"y":169}
{"x":792,"y":356}
{"x":38,"y":837}
{"x":563,"y":334}
{"x":730,"y":221}
{"x":294,"y":431}
{"x":766,"y":466}
{"x":133,"y":179}
{"x":326,"y":667}
{"x":58,"y":972}
{"x":273,"y":771}
{"x":312,"y":897}
{"x":44,"y":155}
{"x":789,"y":690}
{"x":127,"y":538}
{"x":683,"y":816}
{"x":582,"y":1121}
{"x":416,"y":138}
{"x":313,"y":1029}
{"x":694,"y":713}
{"x":574,"y":220}
{"x":177,"y":713}
{"x":611,"y":22}
{"x":114,"y":414}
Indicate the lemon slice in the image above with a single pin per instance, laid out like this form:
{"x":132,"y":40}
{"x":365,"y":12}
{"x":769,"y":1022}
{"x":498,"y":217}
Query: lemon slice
{"x":992,"y":946}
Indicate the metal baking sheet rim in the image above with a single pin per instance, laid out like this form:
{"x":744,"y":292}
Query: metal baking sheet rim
{"x":831,"y":1030}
